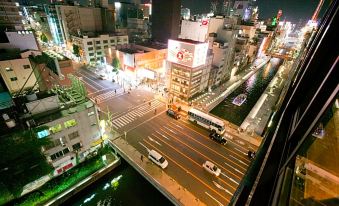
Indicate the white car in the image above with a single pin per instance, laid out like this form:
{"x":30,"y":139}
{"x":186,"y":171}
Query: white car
{"x":211,"y":168}
{"x":103,"y":76}
{"x":159,"y":160}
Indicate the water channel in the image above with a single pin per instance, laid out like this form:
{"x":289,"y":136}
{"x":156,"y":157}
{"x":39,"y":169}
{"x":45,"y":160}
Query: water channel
{"x":253,"y":88}
{"x":123,"y":186}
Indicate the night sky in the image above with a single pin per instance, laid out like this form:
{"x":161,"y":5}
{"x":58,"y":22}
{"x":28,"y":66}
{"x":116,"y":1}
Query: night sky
{"x":293,"y":10}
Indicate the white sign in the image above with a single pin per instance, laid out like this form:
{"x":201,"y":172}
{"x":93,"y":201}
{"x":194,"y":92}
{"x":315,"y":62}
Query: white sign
{"x":187,"y":54}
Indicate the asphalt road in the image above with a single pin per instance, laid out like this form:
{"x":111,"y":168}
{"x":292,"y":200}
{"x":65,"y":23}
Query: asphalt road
{"x":185,"y":146}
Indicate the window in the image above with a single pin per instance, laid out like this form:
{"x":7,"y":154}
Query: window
{"x":76,"y":146}
{"x":14,"y":79}
{"x":90,"y":48}
{"x":91,"y":54}
{"x":105,"y":41}
{"x":105,"y":47}
{"x":43,"y":133}
{"x":112,"y":40}
{"x":55,"y":129}
{"x":98,"y":47}
{"x":89,"y":43}
{"x":65,"y":151}
{"x":70,"y":123}
{"x":73,"y":135}
{"x":97,"y":42}
{"x":99,"y":53}
{"x":8,"y":69}
{"x":27,"y":66}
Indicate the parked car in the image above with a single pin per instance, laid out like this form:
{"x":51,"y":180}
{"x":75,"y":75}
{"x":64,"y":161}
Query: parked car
{"x":211,"y":168}
{"x":172,"y":113}
{"x":159,"y":160}
{"x":218,"y":138}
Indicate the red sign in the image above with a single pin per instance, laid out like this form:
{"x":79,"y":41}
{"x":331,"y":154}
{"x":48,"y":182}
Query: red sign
{"x":180,"y":55}
{"x":204,"y":22}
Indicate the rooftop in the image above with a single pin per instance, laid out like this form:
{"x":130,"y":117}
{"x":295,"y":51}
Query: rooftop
{"x":132,"y":50}
{"x":154,"y":45}
{"x":8,"y":54}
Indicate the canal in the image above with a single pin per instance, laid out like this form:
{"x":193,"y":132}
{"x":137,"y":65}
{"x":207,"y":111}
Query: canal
{"x":123,"y":186}
{"x":253,"y":88}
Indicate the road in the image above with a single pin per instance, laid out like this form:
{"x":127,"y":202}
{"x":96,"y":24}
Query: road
{"x":185,"y":146}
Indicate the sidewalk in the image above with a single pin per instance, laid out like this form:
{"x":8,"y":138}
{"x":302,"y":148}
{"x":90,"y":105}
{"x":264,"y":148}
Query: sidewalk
{"x":166,"y":185}
{"x":257,"y":119}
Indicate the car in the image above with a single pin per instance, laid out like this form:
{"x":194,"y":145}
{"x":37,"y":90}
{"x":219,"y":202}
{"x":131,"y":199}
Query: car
{"x":172,"y":113}
{"x":159,"y":160}
{"x":218,"y":138}
{"x":103,"y":76}
{"x":211,"y":168}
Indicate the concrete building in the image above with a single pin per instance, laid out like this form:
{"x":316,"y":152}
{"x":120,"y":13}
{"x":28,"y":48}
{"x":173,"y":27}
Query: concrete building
{"x":190,"y":66}
{"x":165,"y":20}
{"x":143,"y":63}
{"x":185,"y":13}
{"x":10,"y":15}
{"x":18,"y":75}
{"x":97,"y":49}
{"x":21,"y":39}
{"x":52,"y":69}
{"x":72,"y":128}
{"x":66,"y":21}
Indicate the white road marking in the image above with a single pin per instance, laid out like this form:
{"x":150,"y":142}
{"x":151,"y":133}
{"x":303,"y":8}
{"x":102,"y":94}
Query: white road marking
{"x":155,"y":141}
{"x":240,"y":150}
{"x":238,"y":160}
{"x":221,"y":187}
{"x":178,"y":126}
{"x":229,"y":178}
{"x":170,"y":130}
{"x":163,"y":135}
{"x":233,"y":168}
{"x":213,"y":198}
{"x":144,"y":146}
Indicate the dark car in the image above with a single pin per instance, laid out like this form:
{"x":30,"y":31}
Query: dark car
{"x":218,"y":138}
{"x":173,"y":114}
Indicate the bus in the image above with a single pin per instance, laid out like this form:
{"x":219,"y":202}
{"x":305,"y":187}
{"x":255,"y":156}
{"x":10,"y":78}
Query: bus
{"x":206,"y":121}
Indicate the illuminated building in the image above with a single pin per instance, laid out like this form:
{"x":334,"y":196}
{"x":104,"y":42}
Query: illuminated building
{"x":190,"y":65}
{"x":143,"y":62}
{"x":95,"y":48}
{"x":10,"y":15}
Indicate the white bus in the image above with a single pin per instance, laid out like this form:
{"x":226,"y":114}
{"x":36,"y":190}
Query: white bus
{"x":206,"y":121}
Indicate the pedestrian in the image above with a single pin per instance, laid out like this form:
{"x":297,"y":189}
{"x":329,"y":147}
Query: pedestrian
{"x":155,"y":110}
{"x":115,"y":91}
{"x":149,"y":103}
{"x":142,"y":158}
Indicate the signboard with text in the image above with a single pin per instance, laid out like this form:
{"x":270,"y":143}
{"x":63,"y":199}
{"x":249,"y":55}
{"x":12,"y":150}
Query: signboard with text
{"x":186,"y":53}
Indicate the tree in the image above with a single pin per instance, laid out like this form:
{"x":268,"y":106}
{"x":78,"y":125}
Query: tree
{"x":76,"y":50}
{"x":115,"y":64}
{"x":43,"y":38}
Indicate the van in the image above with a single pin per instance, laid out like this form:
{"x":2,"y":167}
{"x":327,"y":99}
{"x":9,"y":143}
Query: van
{"x":159,"y":160}
{"x":172,"y":113}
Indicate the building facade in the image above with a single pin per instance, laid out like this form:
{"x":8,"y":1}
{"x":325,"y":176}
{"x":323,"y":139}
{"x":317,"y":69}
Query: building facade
{"x":11,"y":16}
{"x":21,"y":39}
{"x":98,"y":49}
{"x":190,"y":66}
{"x":18,"y":75}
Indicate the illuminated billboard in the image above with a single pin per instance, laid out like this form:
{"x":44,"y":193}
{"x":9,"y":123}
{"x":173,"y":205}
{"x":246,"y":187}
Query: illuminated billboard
{"x":186,"y":53}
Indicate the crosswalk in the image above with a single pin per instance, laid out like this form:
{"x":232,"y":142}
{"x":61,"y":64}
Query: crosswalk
{"x":135,"y":114}
{"x":107,"y":95}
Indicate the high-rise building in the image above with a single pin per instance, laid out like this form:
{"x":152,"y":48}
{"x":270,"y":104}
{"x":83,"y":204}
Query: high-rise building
{"x":10,"y":15}
{"x":165,"y":20}
{"x":297,"y":162}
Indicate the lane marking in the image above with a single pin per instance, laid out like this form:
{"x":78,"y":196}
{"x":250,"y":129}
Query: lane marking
{"x":163,"y":135}
{"x":203,"y":135}
{"x":239,"y":150}
{"x":194,"y":160}
{"x":83,"y":76}
{"x":144,"y":146}
{"x":156,"y":142}
{"x":221,"y":187}
{"x":222,"y":156}
{"x":234,"y":168}
{"x":238,"y":160}
{"x":170,"y":130}
{"x":208,"y":194}
{"x":188,"y":172}
{"x":229,"y":178}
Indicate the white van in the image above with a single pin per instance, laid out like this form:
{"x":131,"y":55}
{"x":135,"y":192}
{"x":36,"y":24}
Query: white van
{"x":157,"y":159}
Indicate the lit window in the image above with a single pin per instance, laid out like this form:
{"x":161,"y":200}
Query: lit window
{"x":9,"y":69}
{"x":70,"y":123}
{"x":57,"y":128}
{"x":43,"y":133}
{"x":27,"y":66}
